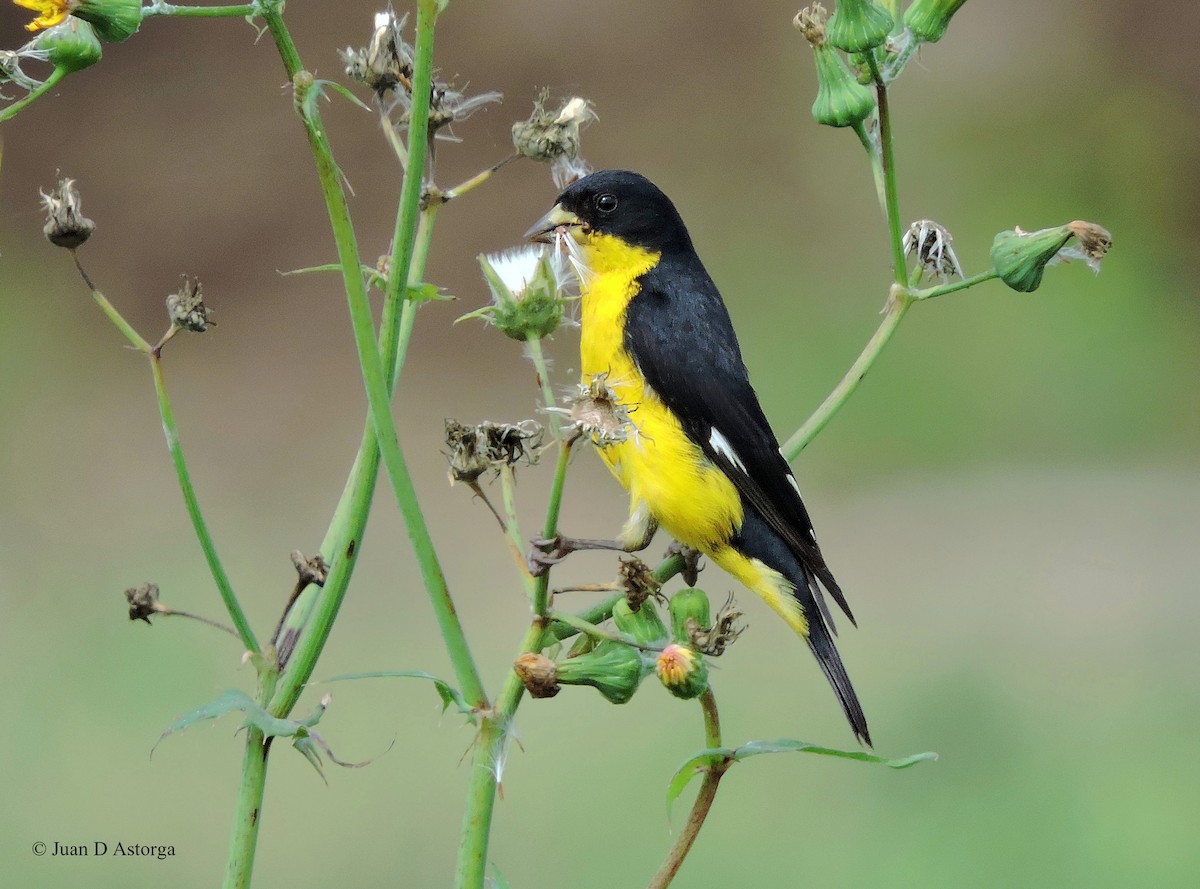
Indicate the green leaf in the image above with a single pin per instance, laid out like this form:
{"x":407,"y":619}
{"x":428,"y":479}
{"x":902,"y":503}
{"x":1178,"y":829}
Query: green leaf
{"x":497,"y":880}
{"x":232,"y":700}
{"x":420,"y":293}
{"x":694,"y":766}
{"x":708,"y":758}
{"x":446,"y":692}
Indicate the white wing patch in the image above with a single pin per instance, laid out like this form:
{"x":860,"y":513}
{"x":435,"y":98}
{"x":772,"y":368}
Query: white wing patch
{"x":721,"y":445}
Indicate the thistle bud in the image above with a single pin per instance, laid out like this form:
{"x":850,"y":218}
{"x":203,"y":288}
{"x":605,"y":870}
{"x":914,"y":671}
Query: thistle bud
{"x":71,"y":45}
{"x":928,"y":19}
{"x":858,"y":25}
{"x":682,"y":671}
{"x":1020,"y":257}
{"x":527,"y":297}
{"x":613,"y":669}
{"x":841,"y":100}
{"x":689,"y":609}
{"x":644,"y":625}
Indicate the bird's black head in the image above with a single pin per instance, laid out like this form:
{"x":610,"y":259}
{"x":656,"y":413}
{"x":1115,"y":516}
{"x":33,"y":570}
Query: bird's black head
{"x":619,"y":203}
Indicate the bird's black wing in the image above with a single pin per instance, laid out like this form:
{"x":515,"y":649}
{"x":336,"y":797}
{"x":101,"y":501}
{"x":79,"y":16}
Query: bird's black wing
{"x":679,"y":334}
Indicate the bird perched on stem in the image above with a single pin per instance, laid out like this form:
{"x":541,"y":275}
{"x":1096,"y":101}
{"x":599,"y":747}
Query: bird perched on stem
{"x":703,"y":462}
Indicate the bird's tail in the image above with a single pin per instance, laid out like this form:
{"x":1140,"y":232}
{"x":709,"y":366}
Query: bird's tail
{"x":826,"y":653}
{"x":820,"y":641}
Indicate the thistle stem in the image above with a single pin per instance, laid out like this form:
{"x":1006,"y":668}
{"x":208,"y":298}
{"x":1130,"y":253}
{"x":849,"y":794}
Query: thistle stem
{"x":193,"y":509}
{"x":956,"y":286}
{"x":704,"y":799}
{"x":893,"y":315}
{"x":244,"y":839}
{"x":888,"y":160}
{"x":244,"y":10}
{"x":10,"y":111}
{"x":538,"y":357}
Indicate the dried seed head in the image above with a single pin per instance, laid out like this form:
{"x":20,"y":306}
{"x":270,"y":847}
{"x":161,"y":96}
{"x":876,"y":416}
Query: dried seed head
{"x":554,"y":137}
{"x":386,"y":63}
{"x":810,"y":21}
{"x":476,"y":449}
{"x":638,"y":580}
{"x":1094,"y":244}
{"x":596,"y":413}
{"x":724,"y":632}
{"x":538,"y":674}
{"x":310,"y":570}
{"x":933,"y":247}
{"x":143,"y":601}
{"x":186,"y":307}
{"x":66,"y":226}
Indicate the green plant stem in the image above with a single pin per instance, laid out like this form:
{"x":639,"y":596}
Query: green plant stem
{"x":598,"y":613}
{"x":888,"y":160}
{"x":893,"y":315}
{"x":704,"y":799}
{"x":512,"y":531}
{"x":243,"y":10}
{"x":538,"y":357}
{"x":490,"y":746}
{"x":244,"y":838}
{"x":374,"y":379}
{"x":477,"y":180}
{"x":596,"y":632}
{"x":110,"y":311}
{"x":943,"y":289}
{"x":899,"y":300}
{"x":193,"y":508}
{"x":10,"y":111}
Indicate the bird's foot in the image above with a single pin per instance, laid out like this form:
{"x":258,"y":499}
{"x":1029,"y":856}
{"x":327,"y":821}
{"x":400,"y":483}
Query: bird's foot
{"x":691,"y":561}
{"x":546,"y":552}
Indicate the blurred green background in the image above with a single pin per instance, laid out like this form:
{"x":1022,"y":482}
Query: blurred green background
{"x":1012,"y":500}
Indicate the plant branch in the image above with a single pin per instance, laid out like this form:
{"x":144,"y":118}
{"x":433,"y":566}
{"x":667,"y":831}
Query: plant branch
{"x":374,"y":378}
{"x":244,"y":836}
{"x":10,"y":111}
{"x":193,"y":509}
{"x":888,"y":160}
{"x":954,"y":287}
{"x":800,"y":439}
{"x":704,"y":799}
{"x":244,"y":10}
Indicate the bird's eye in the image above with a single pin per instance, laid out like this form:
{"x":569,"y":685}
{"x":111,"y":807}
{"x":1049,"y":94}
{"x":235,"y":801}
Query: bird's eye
{"x":606,"y":203}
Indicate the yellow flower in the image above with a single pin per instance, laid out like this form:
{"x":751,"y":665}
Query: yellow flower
{"x":50,"y":12}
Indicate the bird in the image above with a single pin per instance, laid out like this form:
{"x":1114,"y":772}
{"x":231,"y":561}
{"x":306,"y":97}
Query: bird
{"x":703,"y":462}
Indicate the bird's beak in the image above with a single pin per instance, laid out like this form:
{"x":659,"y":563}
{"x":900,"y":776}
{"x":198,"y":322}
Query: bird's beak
{"x":544,"y":229}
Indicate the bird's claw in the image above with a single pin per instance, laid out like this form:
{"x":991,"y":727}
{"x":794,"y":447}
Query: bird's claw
{"x":546,"y":552}
{"x":691,"y":561}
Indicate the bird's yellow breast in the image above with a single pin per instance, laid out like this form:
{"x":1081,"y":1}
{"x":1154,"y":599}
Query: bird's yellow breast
{"x":658,"y":464}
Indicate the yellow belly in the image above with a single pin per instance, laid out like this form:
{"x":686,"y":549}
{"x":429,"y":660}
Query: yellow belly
{"x":659,"y":466}
{"x":663,"y":470}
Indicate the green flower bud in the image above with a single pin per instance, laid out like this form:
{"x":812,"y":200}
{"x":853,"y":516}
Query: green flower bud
{"x":858,"y":25}
{"x":613,"y":669}
{"x":1020,"y":257}
{"x":928,"y":19}
{"x":689,"y":604}
{"x":114,"y":20}
{"x":527,"y":293}
{"x":644,"y":625}
{"x":71,"y":45}
{"x":682,"y":671}
{"x":841,"y":100}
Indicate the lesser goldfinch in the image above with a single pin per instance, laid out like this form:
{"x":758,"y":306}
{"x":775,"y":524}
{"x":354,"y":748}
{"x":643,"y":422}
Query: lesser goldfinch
{"x":703,"y":462}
